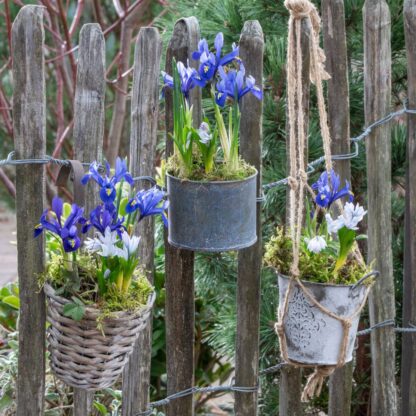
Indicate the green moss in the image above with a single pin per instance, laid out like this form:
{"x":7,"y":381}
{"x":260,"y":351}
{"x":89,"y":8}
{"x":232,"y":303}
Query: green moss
{"x":313,"y":267}
{"x":113,"y":301}
{"x":220,"y":172}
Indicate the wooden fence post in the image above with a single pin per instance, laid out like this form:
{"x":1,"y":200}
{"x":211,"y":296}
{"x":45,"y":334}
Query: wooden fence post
{"x":377,"y":81}
{"x":335,"y":45}
{"x":144,"y":121}
{"x":290,"y":389}
{"x":249,"y":259}
{"x":29,"y":121}
{"x":408,"y":384}
{"x":89,"y":131}
{"x":180,"y":305}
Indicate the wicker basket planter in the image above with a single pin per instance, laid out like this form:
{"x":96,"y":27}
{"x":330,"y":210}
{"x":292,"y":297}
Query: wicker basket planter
{"x":80,"y":355}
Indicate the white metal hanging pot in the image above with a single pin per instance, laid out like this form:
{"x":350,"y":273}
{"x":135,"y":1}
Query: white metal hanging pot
{"x":313,"y":338}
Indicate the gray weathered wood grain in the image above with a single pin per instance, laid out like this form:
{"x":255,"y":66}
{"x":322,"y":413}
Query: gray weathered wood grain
{"x":29,"y":121}
{"x":377,"y":81}
{"x":250,"y":259}
{"x":290,"y":388}
{"x":335,"y":46}
{"x":408,"y":378}
{"x":144,"y":122}
{"x":89,"y":101}
{"x":89,"y":132}
{"x":180,"y":307}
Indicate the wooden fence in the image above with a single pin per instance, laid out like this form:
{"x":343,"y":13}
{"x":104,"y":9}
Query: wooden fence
{"x":29,"y":113}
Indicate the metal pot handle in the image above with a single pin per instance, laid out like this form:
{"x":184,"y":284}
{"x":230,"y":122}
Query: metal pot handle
{"x":145,"y":178}
{"x":374,"y":273}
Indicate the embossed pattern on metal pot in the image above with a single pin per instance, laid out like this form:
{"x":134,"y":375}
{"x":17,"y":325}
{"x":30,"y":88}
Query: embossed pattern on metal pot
{"x":312,"y":336}
{"x":212,"y":216}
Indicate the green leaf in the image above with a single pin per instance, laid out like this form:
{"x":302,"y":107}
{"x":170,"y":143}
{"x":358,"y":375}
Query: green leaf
{"x":5,"y":402}
{"x":12,"y":301}
{"x":122,"y":208}
{"x":4,"y":292}
{"x":101,"y":408}
{"x":74,"y":310}
{"x":66,"y":211}
{"x":346,"y":239}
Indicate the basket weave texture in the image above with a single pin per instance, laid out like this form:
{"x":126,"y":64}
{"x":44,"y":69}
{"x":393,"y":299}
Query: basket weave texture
{"x":80,"y":355}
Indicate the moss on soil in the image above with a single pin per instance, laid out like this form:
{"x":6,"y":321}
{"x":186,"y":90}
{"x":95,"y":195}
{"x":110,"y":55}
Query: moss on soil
{"x":313,"y":267}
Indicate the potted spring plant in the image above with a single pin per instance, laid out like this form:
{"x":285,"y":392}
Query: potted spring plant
{"x":212,"y":191}
{"x":319,"y":319}
{"x":98,"y":296}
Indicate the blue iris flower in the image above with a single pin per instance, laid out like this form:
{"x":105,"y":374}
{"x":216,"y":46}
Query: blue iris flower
{"x":51,"y":220}
{"x":102,"y":217}
{"x":328,"y":189}
{"x":147,"y":201}
{"x":234,"y":84}
{"x":108,"y":191}
{"x":187,"y":76}
{"x":210,"y":62}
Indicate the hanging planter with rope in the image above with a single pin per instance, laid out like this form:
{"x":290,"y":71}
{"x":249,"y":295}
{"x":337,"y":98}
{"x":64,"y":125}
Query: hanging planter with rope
{"x":325,"y":283}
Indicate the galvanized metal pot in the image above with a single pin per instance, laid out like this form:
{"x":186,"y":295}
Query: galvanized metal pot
{"x":212,"y":216}
{"x":312,"y":336}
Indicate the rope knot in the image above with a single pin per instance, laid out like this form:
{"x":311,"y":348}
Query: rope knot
{"x":315,"y":382}
{"x":303,"y":176}
{"x":299,"y":9}
{"x":293,"y":182}
{"x":278,"y":327}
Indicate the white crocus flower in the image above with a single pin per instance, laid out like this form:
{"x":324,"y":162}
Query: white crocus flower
{"x":204,"y":133}
{"x":316,"y":244}
{"x":130,"y":245}
{"x":92,"y":244}
{"x":104,"y":245}
{"x":353,"y":215}
{"x":334,"y":225}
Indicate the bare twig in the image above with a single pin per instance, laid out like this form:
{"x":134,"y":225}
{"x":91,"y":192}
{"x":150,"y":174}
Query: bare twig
{"x":67,"y":35}
{"x":98,"y":13}
{"x":77,"y":17}
{"x":8,"y":24}
{"x":11,"y":189}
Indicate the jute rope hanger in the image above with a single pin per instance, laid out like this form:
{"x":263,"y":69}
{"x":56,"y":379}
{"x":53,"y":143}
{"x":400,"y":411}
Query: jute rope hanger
{"x":304,"y":9}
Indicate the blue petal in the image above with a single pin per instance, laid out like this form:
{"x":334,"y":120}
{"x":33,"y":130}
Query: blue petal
{"x":57,"y":206}
{"x":107,"y":197}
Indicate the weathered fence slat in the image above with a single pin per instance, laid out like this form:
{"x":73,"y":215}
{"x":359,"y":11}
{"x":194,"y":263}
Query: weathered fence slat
{"x":144,"y":121}
{"x":249,"y":259}
{"x":180,"y":307}
{"x":408,"y":384}
{"x":89,"y":131}
{"x":335,"y":46}
{"x":290,"y":388}
{"x":29,"y":123}
{"x":377,"y":82}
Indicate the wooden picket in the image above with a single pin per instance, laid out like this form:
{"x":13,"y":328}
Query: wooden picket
{"x":291,"y":377}
{"x":249,"y":259}
{"x":408,"y":386}
{"x":335,"y":46}
{"x":377,"y":83}
{"x":179,"y":264}
{"x":89,"y":132}
{"x":144,"y":119}
{"x":29,"y":123}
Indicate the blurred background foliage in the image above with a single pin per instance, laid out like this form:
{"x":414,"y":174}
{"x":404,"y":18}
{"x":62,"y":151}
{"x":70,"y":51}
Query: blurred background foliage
{"x":215,"y":274}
